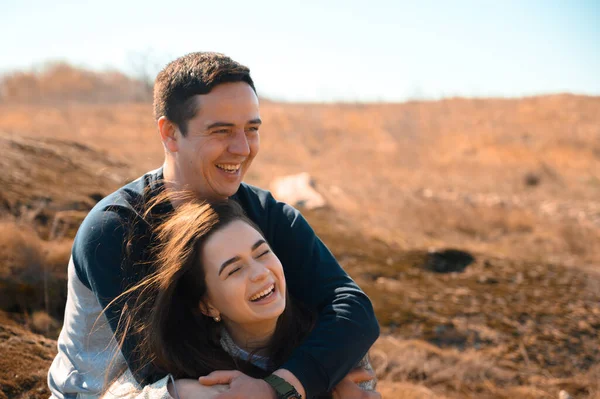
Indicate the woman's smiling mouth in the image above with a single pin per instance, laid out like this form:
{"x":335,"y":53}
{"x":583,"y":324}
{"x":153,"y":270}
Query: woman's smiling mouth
{"x":263,"y":294}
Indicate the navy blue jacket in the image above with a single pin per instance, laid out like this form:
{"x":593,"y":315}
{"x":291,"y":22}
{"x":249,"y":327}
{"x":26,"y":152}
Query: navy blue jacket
{"x":112,"y":250}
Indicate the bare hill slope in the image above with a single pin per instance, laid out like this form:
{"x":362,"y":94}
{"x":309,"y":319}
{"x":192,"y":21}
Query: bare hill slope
{"x":515,"y":182}
{"x":517,"y":178}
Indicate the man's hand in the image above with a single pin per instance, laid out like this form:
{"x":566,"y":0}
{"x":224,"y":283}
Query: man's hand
{"x":348,"y":388}
{"x":241,"y":386}
{"x":191,"y":389}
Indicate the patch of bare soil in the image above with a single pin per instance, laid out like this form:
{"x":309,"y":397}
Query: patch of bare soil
{"x":24,"y":361}
{"x":47,"y":181}
{"x":483,"y":332}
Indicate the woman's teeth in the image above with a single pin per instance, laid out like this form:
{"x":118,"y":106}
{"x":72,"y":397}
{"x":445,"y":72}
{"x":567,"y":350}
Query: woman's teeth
{"x":228,"y":167}
{"x":262,"y":294}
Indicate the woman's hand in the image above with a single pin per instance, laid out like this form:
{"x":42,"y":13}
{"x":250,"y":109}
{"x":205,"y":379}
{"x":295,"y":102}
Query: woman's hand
{"x":192,"y":389}
{"x":241,"y":386}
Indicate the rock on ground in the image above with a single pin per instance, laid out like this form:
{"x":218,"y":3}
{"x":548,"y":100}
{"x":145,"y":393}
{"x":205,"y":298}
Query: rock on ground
{"x":297,"y":190}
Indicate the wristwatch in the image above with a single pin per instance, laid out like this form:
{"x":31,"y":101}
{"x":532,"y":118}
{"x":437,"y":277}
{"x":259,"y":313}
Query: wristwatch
{"x":284,"y":389}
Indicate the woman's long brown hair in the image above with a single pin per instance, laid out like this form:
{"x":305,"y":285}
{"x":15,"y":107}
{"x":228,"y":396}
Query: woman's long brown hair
{"x":163,"y":309}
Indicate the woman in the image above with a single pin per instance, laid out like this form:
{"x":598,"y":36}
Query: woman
{"x":216,"y":301}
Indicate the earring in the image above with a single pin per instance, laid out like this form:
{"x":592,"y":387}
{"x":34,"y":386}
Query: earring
{"x":217,"y":318}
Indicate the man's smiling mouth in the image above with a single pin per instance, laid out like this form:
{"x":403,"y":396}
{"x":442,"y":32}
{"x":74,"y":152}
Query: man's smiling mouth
{"x":229,"y":168}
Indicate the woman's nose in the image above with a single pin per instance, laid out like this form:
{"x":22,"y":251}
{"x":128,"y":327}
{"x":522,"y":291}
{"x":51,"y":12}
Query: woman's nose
{"x":259,"y":272}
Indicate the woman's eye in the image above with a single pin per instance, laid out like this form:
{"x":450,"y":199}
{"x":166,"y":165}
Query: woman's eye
{"x":264,"y":253}
{"x":233,"y":271}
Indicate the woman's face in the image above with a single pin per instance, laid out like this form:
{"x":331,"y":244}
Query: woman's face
{"x":245,"y":281}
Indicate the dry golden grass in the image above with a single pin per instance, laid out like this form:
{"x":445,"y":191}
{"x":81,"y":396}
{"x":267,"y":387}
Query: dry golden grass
{"x":376,"y":162}
{"x":41,"y":322}
{"x":59,"y":82}
{"x":394,"y":390}
{"x":409,"y":368}
{"x":503,"y":328}
{"x":20,"y":245}
{"x":32,"y":271}
{"x":21,"y":251}
{"x":522,"y":321}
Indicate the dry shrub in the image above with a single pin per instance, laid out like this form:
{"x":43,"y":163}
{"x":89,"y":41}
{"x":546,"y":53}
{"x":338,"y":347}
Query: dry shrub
{"x":490,"y":223}
{"x":593,"y":379}
{"x":393,"y":390}
{"x":41,"y":322}
{"x":580,"y":240}
{"x":586,"y":385}
{"x":32,"y":271}
{"x":57,"y":254}
{"x":484,"y":223}
{"x":61,"y":82}
{"x":523,"y":392}
{"x":405,"y":390}
{"x":411,"y":368}
{"x":21,"y":252}
{"x":417,"y":361}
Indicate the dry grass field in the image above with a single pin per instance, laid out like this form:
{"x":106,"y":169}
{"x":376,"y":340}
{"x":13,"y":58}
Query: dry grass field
{"x":515,"y":182}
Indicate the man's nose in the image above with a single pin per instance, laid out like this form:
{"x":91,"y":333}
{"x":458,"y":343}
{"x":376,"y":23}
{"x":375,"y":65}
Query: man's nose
{"x":239,"y":144}
{"x":259,"y":272}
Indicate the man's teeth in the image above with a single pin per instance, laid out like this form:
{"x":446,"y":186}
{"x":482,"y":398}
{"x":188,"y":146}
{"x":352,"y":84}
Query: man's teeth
{"x":262,"y":293}
{"x":228,"y":167}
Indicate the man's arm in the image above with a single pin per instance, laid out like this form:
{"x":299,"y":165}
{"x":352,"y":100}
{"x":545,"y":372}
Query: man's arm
{"x":126,"y":387}
{"x":105,"y":250}
{"x":346,"y":326}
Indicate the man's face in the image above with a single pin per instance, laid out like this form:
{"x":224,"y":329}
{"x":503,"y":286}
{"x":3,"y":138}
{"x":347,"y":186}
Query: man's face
{"x":221,"y":141}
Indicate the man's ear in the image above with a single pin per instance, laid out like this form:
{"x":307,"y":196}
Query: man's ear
{"x":168,"y":134}
{"x":207,"y":309}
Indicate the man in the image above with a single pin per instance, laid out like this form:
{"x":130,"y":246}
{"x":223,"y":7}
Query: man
{"x":207,"y":114}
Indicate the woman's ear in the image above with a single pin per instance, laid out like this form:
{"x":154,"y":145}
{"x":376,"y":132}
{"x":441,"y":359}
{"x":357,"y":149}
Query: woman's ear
{"x":208,"y":310}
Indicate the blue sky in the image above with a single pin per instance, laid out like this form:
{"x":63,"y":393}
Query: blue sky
{"x":328,"y":50}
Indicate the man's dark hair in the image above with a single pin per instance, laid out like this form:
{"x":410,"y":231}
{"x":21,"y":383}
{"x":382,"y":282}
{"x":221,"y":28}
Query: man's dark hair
{"x":190,"y":75}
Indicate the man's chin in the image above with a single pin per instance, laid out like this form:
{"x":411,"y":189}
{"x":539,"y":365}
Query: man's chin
{"x":217,"y":195}
{"x":229,"y":191}
{"x":225,"y":189}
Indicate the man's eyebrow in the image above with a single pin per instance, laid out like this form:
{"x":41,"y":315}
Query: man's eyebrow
{"x":219,"y":124}
{"x":227,"y":263}
{"x":256,"y":121}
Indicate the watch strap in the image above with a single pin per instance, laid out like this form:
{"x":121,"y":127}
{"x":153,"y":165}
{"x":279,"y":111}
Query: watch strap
{"x":284,"y":389}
